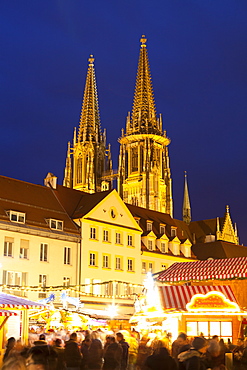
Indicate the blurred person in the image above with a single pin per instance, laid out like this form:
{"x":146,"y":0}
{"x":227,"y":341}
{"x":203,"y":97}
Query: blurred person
{"x":60,"y":354}
{"x":41,"y":341}
{"x":160,"y":359}
{"x":143,"y":352}
{"x":133,"y":351}
{"x":194,"y":358}
{"x":85,"y":351}
{"x":41,"y":358}
{"x":214,"y":355}
{"x":72,"y":354}
{"x":95,"y":352}
{"x":125,"y":353}
{"x":238,"y":353}
{"x":112,"y":354}
{"x":178,"y":343}
{"x":14,"y":363}
{"x":11,"y":342}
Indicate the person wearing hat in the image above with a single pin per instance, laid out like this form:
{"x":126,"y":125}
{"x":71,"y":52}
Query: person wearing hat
{"x":193,"y":359}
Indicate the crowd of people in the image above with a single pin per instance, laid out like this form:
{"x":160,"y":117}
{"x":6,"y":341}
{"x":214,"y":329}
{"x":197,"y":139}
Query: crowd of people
{"x":99,"y":350}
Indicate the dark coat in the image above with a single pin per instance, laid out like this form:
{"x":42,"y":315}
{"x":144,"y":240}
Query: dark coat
{"x":95,"y":354}
{"x":112,"y":356}
{"x":161,"y":361}
{"x":125,"y":355}
{"x":72,"y":354}
{"x":191,"y":360}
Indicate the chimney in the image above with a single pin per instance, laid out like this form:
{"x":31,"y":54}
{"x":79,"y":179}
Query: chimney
{"x":50,"y":181}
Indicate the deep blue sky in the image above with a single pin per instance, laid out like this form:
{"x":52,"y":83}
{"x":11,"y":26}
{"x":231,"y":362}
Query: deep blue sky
{"x":198,"y":58}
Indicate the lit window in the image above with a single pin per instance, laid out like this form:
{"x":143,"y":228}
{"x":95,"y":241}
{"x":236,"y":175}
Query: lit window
{"x":105,"y":261}
{"x":144,"y":267}
{"x":150,"y":267}
{"x":130,"y":265}
{"x":118,"y":238}
{"x":56,"y":224}
{"x":42,"y":280}
{"x":8,"y":247}
{"x":173,"y":231}
{"x":17,"y":217}
{"x":149,"y":226}
{"x":43,"y":252}
{"x":118,"y":263}
{"x":162,"y":229}
{"x":163,"y":247}
{"x":105,"y":235}
{"x":66,"y":281}
{"x":92,"y":259}
{"x":24,"y":249}
{"x":130,"y":240}
{"x":92,"y":233}
{"x":14,"y":278}
{"x":150,"y":245}
{"x":67,"y":255}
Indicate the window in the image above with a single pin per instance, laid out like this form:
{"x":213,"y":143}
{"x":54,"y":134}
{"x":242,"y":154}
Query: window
{"x":24,"y":249}
{"x":66,"y":281}
{"x":118,"y":238}
{"x":105,"y":235}
{"x":96,"y":286}
{"x":150,"y":266}
{"x":92,"y":233}
{"x":42,"y":280}
{"x":173,"y":231}
{"x":106,"y":261}
{"x":221,"y":328}
{"x":67,"y":255}
{"x":130,"y":265}
{"x":43,"y":252}
{"x":150,"y":245}
{"x":56,"y":224}
{"x":118,"y":263}
{"x":92,"y":259}
{"x":130,"y":240}
{"x":162,"y":229}
{"x":8,"y":247}
{"x":17,"y":217}
{"x":134,"y":159}
{"x":144,"y":267}
{"x":163,"y":247}
{"x":149,"y":226}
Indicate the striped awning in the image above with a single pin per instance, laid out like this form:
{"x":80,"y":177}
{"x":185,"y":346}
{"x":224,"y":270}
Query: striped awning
{"x":221,"y":269}
{"x":177,"y":296}
{"x":7,"y":313}
{"x":12,"y":301}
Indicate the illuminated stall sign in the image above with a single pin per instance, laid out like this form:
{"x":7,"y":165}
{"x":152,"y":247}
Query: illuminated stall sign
{"x":212,"y":301}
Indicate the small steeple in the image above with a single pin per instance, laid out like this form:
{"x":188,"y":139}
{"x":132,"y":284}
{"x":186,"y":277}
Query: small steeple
{"x":186,"y":202}
{"x":67,"y":181}
{"x":90,"y":119}
{"x":143,"y":118}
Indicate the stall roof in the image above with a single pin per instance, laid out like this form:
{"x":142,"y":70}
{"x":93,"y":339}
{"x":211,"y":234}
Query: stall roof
{"x":221,"y":269}
{"x":12,"y":301}
{"x":177,"y":296}
{"x":7,"y":313}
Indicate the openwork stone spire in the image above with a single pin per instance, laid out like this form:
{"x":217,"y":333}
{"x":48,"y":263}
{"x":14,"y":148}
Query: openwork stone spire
{"x":186,"y":202}
{"x":89,"y":129}
{"x":143,"y":119}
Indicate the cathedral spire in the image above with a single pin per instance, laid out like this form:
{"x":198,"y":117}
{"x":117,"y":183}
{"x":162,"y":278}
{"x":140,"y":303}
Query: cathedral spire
{"x":186,"y":202}
{"x":89,"y":128}
{"x":143,"y":118}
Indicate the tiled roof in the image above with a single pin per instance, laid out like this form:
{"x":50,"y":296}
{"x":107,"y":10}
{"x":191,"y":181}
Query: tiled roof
{"x":177,"y":296}
{"x":221,"y":269}
{"x":205,"y":227}
{"x":218,"y":249}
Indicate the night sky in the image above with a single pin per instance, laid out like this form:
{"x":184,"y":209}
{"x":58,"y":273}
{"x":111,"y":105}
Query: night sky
{"x":198,"y":59}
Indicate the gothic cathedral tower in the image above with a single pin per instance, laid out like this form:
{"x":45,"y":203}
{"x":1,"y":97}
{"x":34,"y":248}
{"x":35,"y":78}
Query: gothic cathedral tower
{"x":144,"y":173}
{"x":90,"y":157}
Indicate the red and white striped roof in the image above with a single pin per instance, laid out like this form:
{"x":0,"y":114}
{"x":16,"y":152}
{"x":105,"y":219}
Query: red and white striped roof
{"x":7,"y":313}
{"x":12,"y":301}
{"x":222,"y":269}
{"x":177,"y":296}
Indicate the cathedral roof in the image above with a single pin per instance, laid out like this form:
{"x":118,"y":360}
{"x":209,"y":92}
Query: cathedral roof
{"x":218,"y":249}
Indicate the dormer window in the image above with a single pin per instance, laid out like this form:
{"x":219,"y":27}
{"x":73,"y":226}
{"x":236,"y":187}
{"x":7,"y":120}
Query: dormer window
{"x":17,"y":217}
{"x":149,"y":226}
{"x":173,"y":231}
{"x":162,"y":229}
{"x":56,"y":224}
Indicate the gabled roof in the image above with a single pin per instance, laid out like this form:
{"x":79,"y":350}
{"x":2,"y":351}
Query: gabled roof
{"x":205,"y":227}
{"x":218,"y":249}
{"x":39,"y":203}
{"x":219,"y":269}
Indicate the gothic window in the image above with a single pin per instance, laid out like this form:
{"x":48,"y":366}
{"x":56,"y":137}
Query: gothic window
{"x":134,"y":159}
{"x":79,"y":170}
